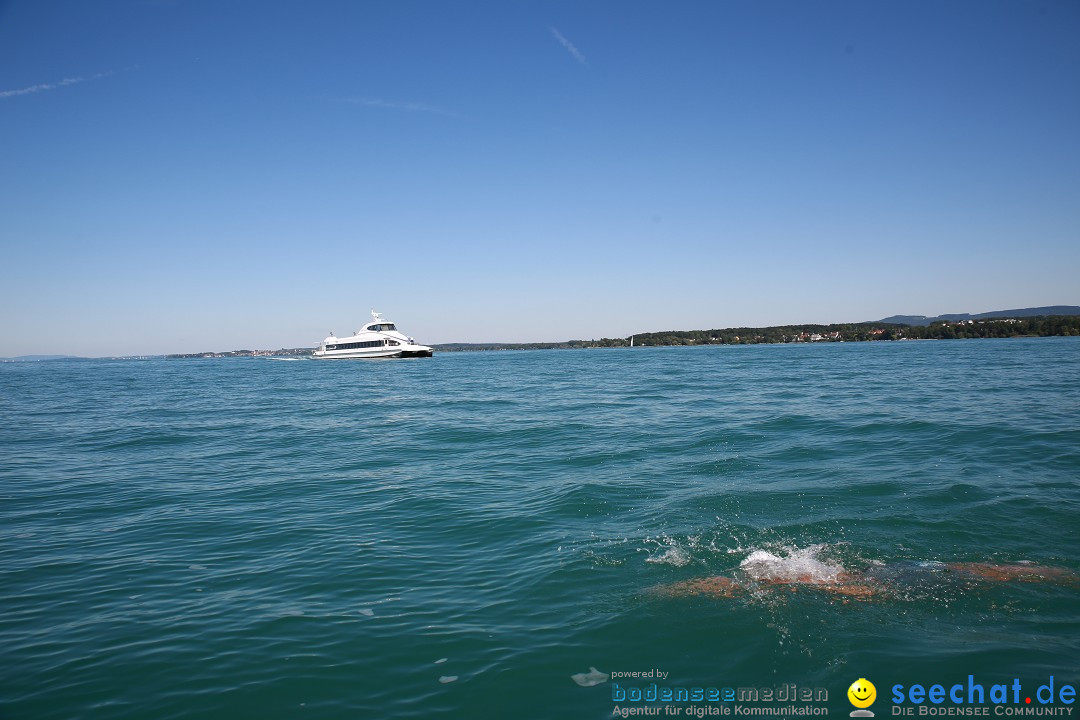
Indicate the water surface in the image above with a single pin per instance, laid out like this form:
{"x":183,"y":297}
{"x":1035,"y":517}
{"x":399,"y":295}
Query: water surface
{"x":457,"y":536}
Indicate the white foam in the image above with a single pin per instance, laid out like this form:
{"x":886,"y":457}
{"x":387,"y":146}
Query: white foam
{"x":447,"y":679}
{"x":668,"y":552}
{"x":441,"y":661}
{"x":673,"y":555}
{"x":367,"y":611}
{"x":792,"y":565}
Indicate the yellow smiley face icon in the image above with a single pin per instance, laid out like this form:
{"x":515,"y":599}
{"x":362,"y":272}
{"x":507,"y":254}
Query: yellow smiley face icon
{"x":862,"y":693}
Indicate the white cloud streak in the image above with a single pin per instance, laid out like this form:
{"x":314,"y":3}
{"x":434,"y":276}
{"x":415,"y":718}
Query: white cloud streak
{"x":406,"y":106}
{"x":5,"y":94}
{"x":568,"y":45}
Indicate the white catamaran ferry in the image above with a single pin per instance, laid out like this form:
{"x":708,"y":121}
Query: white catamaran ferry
{"x":378,"y":339}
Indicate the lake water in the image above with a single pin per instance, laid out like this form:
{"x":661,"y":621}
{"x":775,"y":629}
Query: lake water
{"x":458,"y":536}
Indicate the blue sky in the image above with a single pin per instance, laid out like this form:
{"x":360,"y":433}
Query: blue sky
{"x":209,"y":175}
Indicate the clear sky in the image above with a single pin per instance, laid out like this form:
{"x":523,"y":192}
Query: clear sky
{"x":218,"y":174}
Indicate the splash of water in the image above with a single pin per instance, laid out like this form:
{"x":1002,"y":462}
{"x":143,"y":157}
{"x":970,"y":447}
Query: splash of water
{"x":670,"y":552}
{"x":673,"y":555}
{"x":808,"y":564}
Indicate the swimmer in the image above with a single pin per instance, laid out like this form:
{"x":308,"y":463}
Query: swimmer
{"x":871,"y":583}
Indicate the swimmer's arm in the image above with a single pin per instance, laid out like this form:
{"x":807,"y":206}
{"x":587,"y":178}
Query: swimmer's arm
{"x":717,"y":586}
{"x":855,"y":590}
{"x":847,"y":584}
{"x":1020,"y":572}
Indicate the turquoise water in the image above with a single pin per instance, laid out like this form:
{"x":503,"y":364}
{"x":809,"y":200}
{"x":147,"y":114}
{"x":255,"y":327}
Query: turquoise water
{"x":266,"y":538}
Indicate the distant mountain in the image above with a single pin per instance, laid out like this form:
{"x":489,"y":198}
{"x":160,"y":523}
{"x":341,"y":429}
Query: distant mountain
{"x":955,"y":317}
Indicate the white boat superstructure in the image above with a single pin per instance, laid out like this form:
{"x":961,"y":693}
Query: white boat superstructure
{"x":380,"y":338}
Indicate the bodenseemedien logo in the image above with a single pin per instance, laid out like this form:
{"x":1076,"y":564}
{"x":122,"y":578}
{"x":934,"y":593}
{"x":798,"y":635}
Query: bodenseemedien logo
{"x":862,"y":694}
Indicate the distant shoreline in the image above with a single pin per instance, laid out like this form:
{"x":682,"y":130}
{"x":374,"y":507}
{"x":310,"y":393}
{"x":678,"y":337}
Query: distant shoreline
{"x":1038,"y":326}
{"x":996,"y":327}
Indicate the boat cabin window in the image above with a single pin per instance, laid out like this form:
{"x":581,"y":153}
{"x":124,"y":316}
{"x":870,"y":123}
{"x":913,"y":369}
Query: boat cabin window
{"x":381,"y":327}
{"x":353,"y":346}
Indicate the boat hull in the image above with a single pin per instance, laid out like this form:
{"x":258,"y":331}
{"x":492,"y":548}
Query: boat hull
{"x":349,"y":355}
{"x":402,"y":351}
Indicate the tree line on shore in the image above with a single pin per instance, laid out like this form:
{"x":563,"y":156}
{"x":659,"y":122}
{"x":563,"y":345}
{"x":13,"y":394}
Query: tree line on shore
{"x":1041,"y":326}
